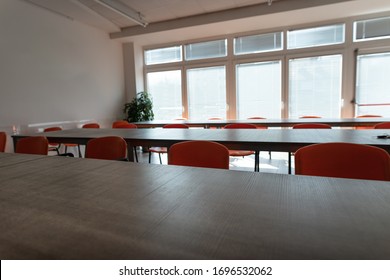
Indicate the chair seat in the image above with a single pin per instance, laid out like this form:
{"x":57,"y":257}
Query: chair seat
{"x":158,"y":150}
{"x":240,"y":153}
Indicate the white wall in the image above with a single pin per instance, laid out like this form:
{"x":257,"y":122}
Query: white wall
{"x":53,"y":69}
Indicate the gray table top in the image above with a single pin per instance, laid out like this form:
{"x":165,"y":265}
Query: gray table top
{"x":71,"y":208}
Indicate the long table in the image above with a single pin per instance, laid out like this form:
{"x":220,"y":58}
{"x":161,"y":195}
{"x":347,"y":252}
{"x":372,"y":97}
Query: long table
{"x":335,"y":122}
{"x":71,"y":208}
{"x":281,"y":140}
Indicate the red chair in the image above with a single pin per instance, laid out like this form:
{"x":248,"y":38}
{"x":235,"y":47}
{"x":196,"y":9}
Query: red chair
{"x":306,"y":126}
{"x":119,"y":123}
{"x":199,"y":154}
{"x":242,"y":153}
{"x":56,"y":146}
{"x":311,"y":125}
{"x":110,"y":148}
{"x":310,"y":117}
{"x":384,"y":125}
{"x":343,"y":160}
{"x":36,"y":145}
{"x":91,"y":125}
{"x":367,"y":116}
{"x":126,"y":124}
{"x":3,"y":140}
{"x":164,"y":150}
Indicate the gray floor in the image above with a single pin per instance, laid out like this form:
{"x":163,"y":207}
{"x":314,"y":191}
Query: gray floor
{"x":277,"y":163}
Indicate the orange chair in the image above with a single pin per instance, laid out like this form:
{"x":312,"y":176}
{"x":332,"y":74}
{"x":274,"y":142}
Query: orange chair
{"x":118,"y":123}
{"x":214,"y":119}
{"x":126,"y":124}
{"x":164,"y":150}
{"x":56,"y":146}
{"x":109,"y":147}
{"x":241,"y":153}
{"x":311,"y":125}
{"x":367,"y":116}
{"x":3,"y":140}
{"x":306,"y":126}
{"x":91,"y":125}
{"x":310,"y":117}
{"x":37,"y":145}
{"x":384,"y":125}
{"x":199,"y":154}
{"x":343,"y":160}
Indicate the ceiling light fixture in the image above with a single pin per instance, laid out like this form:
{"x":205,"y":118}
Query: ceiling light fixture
{"x":124,"y":10}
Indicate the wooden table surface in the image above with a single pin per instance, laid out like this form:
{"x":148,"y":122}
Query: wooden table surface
{"x":72,"y":208}
{"x":336,"y":122}
{"x":282,"y":140}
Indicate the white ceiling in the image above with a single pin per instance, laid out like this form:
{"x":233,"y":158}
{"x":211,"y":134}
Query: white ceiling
{"x":174,"y":20}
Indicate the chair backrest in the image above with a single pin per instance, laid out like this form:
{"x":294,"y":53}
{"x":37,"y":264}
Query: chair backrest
{"x":240,"y":125}
{"x":126,"y":125}
{"x":311,"y":125}
{"x":384,"y":125}
{"x":199,"y":154}
{"x":109,"y":147}
{"x":91,"y":125}
{"x":37,"y":145}
{"x":310,"y":117}
{"x":259,"y":126}
{"x":176,"y":125}
{"x":215,"y":119}
{"x":367,"y":116}
{"x":54,"y":128}
{"x":3,"y":140}
{"x":116,"y":123}
{"x":343,"y":160}
{"x":256,"y":118}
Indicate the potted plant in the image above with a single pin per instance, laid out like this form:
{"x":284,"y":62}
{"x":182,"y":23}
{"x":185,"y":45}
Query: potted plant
{"x":140,"y":108}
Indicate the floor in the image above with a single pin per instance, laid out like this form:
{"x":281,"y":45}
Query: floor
{"x":277,"y":164}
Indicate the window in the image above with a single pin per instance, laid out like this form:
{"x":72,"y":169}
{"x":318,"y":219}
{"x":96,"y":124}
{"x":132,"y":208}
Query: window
{"x":204,"y":50}
{"x":372,"y":85}
{"x":165,"y":89}
{"x":315,"y":86}
{"x":314,"y":37}
{"x":206,"y":92}
{"x":258,"y":43}
{"x":259,"y":90}
{"x":372,"y":29}
{"x":164,"y":55}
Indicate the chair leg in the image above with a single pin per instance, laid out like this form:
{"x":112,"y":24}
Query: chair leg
{"x":150,"y":156}
{"x":257,"y":161}
{"x":78,"y":147}
{"x":135,"y":153}
{"x":159,"y":156}
{"x":269,"y":154}
{"x":289,"y":163}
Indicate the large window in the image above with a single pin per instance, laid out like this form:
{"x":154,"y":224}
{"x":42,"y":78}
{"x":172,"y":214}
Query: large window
{"x":259,"y":90}
{"x":372,"y":85}
{"x":165,"y":89}
{"x":315,"y":86}
{"x":286,"y":72}
{"x":206,"y":89}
